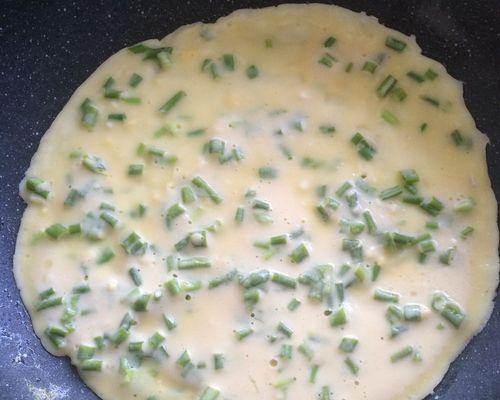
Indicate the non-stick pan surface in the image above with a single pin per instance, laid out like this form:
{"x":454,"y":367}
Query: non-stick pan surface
{"x":48,"y":48}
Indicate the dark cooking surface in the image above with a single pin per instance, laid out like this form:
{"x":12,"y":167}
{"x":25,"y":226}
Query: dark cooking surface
{"x":48,"y":48}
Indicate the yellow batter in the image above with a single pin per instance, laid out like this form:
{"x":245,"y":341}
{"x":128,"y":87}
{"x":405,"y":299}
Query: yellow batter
{"x":291,"y":203}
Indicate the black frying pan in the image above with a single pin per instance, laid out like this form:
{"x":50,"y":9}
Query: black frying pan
{"x":48,"y":48}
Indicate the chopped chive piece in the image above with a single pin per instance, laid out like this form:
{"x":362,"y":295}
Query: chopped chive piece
{"x":173,"y":286}
{"x":172,"y":102}
{"x":299,"y":254}
{"x":200,"y":183}
{"x":261,"y":205}
{"x":370,"y":66}
{"x":389,"y":117}
{"x":426,"y":246}
{"x":327,"y":60}
{"x":409,"y":176}
{"x":413,"y":199}
{"x":325,"y":393}
{"x":398,"y":93}
{"x":464,"y":205}
{"x":174,"y":211}
{"x":134,"y":244}
{"x":395,"y":44}
{"x":89,"y":113}
{"x":386,"y":86}
{"x":106,"y":254}
{"x":432,"y":206}
{"x":423,"y":127}
{"x":48,"y":303}
{"x":313,"y":373}
{"x":306,"y":351}
{"x":432,"y":224}
{"x":46,"y":293}
{"x":155,"y":340}
{"x":278,"y":240}
{"x":415,"y":76}
{"x":38,"y":186}
{"x":466,"y":232}
{"x":141,"y":304}
{"x":283,"y":280}
{"x":370,"y":222}
{"x":401,"y":354}
{"x":386,"y":295}
{"x":391,"y":192}
{"x":109,"y":218}
{"x":239,"y":216}
{"x":375,"y":272}
{"x":170,"y":322}
{"x":228,"y":61}
{"x":353,"y":367}
{"x":243,"y":333}
{"x":135,"y":347}
{"x":91,"y":365}
{"x":135,"y":80}
{"x":56,"y":231}
{"x":135,"y":169}
{"x":354,"y":247}
{"x":327,"y":129}
{"x":187,"y":195}
{"x":284,"y":383}
{"x":285,"y":330}
{"x":268,"y":173}
{"x":294,"y":304}
{"x":349,"y":66}
{"x":447,"y":256}
{"x":135,"y":275}
{"x":194,"y":263}
{"x":343,"y":189}
{"x":117,"y":117}
{"x":412,"y":312}
{"x":209,"y":393}
{"x":85,"y":352}
{"x":286,"y":352}
{"x":431,"y":100}
{"x":329,"y":42}
{"x":218,"y":359}
{"x":94,"y":164}
{"x":74,"y":195}
{"x":252,"y":72}
{"x":255,"y":278}
{"x":339,"y":317}
{"x":222,"y":279}
{"x":430,"y":74}
{"x":348,"y":344}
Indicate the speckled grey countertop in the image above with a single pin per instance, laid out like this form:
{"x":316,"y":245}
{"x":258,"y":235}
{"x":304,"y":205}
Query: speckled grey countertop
{"x":49,"y":47}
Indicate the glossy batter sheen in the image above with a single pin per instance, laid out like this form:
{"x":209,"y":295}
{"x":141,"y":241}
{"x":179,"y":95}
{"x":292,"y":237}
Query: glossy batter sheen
{"x":289,"y":100}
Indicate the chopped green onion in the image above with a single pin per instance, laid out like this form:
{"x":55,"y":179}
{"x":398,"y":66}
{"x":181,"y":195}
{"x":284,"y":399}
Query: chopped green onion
{"x":430,"y":74}
{"x":91,"y":365}
{"x":38,"y":186}
{"x":268,"y":173}
{"x":299,"y":254}
{"x":194,"y":263}
{"x":285,"y":330}
{"x":117,"y":117}
{"x":294,"y":304}
{"x":395,"y":44}
{"x":389,"y":193}
{"x":56,"y":231}
{"x":243,"y":333}
{"x":386,"y":295}
{"x":283,"y":280}
{"x":94,"y":164}
{"x":252,"y":72}
{"x":386,"y":86}
{"x":329,"y":42}
{"x":172,"y":102}
{"x":135,"y":80}
{"x":48,"y":303}
{"x":353,"y":367}
{"x":432,"y":205}
{"x":348,"y":344}
{"x":90,"y":113}
{"x":135,"y":275}
{"x":208,"y":189}
{"x":401,"y":354}
{"x":339,"y":317}
{"x":467,"y":231}
{"x":415,"y":76}
{"x":286,"y":352}
{"x":389,"y":117}
{"x":209,"y":393}
{"x":327,"y":60}
{"x":134,"y":244}
{"x":464,"y":205}
{"x":255,"y":278}
{"x":431,"y":100}
{"x":370,"y":66}
{"x":105,"y":255}
{"x":228,"y":61}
